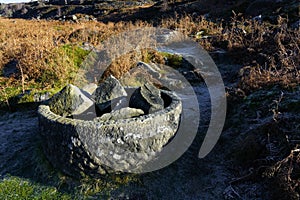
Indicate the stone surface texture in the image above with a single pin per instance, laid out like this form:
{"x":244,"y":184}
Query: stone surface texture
{"x":148,"y":98}
{"x":85,"y":147}
{"x":123,"y":113}
{"x":70,"y":101}
{"x":108,"y":90}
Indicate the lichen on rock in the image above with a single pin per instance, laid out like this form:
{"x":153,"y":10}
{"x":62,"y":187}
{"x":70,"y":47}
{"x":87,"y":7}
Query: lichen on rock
{"x":70,"y":101}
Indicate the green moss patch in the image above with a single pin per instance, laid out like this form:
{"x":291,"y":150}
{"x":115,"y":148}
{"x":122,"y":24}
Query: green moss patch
{"x":15,"y":188}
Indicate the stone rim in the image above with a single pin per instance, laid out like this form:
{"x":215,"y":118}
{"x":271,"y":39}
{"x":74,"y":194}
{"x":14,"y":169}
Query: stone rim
{"x":46,"y":116}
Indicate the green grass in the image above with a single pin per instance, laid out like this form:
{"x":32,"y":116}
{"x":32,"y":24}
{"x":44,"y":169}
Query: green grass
{"x":14,"y":188}
{"x":76,"y":53}
{"x":174,"y":60}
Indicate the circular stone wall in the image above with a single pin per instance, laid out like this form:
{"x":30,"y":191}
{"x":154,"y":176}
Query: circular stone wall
{"x":79,"y":147}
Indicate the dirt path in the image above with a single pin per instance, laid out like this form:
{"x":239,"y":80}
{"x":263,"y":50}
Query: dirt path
{"x":19,"y":137}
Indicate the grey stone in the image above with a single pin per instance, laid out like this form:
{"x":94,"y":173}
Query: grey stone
{"x":157,"y":74}
{"x":148,"y":98}
{"x":69,"y":101}
{"x":123,"y":113}
{"x":110,"y":89}
{"x":41,"y":97}
{"x":92,"y":148}
{"x":141,"y":74}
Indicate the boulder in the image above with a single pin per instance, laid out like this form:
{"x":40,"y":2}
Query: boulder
{"x":160,"y":75}
{"x":83,"y":148}
{"x":148,"y":98}
{"x":69,"y":101}
{"x":141,"y":74}
{"x":110,"y":89}
{"x":123,"y":113}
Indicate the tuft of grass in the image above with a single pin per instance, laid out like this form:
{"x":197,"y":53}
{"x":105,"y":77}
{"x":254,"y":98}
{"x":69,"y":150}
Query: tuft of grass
{"x":102,"y":188}
{"x":75,"y":53}
{"x":173,"y":60}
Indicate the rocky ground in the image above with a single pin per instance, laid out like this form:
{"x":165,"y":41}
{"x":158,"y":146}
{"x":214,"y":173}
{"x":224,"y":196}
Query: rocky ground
{"x":115,"y":11}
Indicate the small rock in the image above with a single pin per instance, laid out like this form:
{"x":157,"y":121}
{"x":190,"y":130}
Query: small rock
{"x":74,"y":17}
{"x":148,"y":98}
{"x":41,"y":97}
{"x":70,"y":101}
{"x":123,"y":113}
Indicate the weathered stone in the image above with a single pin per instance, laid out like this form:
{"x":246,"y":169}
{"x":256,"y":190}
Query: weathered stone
{"x":107,"y":93}
{"x":141,"y":74}
{"x":69,"y":101}
{"x":108,"y":90}
{"x":123,"y":113}
{"x":41,"y":97}
{"x":148,"y":98}
{"x":93,"y":148}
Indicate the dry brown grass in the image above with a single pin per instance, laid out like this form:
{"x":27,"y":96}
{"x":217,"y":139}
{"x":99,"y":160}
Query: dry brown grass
{"x":45,"y":49}
{"x":36,"y":43}
{"x":269,"y":52}
{"x":197,"y":28}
